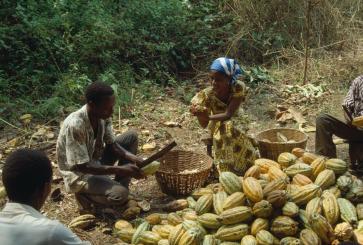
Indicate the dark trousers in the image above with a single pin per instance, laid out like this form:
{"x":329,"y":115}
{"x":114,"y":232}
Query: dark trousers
{"x":101,"y":189}
{"x":326,"y":127}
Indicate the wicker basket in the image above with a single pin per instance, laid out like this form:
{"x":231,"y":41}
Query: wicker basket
{"x":177,"y":176}
{"x":273,"y":149}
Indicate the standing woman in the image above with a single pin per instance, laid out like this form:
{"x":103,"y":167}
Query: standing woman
{"x":218,"y":108}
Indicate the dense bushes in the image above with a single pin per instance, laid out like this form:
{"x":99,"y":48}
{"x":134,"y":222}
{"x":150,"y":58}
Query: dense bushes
{"x":51,"y":49}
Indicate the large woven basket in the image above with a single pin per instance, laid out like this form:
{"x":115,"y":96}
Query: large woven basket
{"x":271,"y":148}
{"x":181,"y":172}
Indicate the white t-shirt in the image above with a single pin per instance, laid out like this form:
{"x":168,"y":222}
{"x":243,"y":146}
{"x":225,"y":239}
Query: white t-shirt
{"x":22,"y":224}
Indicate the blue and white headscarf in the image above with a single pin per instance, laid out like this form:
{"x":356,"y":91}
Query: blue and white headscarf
{"x":228,"y":67}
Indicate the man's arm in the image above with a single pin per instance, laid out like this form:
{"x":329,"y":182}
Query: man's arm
{"x":127,"y":170}
{"x":124,"y":154}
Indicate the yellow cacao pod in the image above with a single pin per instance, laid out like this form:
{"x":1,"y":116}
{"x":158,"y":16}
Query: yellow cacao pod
{"x":163,"y":230}
{"x":190,"y":215}
{"x":164,"y":242}
{"x":176,"y":205}
{"x":299,"y":168}
{"x":252,"y":189}
{"x":337,"y":165}
{"x":322,"y":228}
{"x":290,"y":209}
{"x":330,"y":208}
{"x":301,"y":180}
{"x":176,"y":234}
{"x":259,"y":224}
{"x":343,"y":231}
{"x":218,"y":201}
{"x":309,"y":237}
{"x":235,"y":215}
{"x":234,"y":200}
{"x":308,"y":157}
{"x":149,"y":238}
{"x":204,"y":204}
{"x":298,"y":152}
{"x":151,"y":168}
{"x":131,"y":213}
{"x":126,"y":234}
{"x":232,"y":232}
{"x":153,"y":219}
{"x":265,"y":164}
{"x":305,"y":194}
{"x":278,"y":184}
{"x":359,"y":209}
{"x":290,"y":241}
{"x":201,"y":192}
{"x":174,"y":219}
{"x":262,"y":209}
{"x":83,"y":221}
{"x":325,"y":179}
{"x":122,"y":224}
{"x":286,"y":159}
{"x":210,"y":240}
{"x":209,"y":221}
{"x":314,"y":206}
{"x":192,"y":236}
{"x":264,"y":237}
{"x":249,"y":240}
{"x":276,"y":173}
{"x":253,"y":171}
{"x":318,"y":165}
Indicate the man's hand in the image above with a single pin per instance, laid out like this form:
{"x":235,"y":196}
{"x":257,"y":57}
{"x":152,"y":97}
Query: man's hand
{"x":137,"y":160}
{"x":130,"y":170}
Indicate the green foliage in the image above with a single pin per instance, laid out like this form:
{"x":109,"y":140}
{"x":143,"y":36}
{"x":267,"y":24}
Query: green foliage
{"x":52,"y":49}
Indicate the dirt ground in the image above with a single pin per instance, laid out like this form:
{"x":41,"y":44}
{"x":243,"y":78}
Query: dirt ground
{"x":150,"y":119}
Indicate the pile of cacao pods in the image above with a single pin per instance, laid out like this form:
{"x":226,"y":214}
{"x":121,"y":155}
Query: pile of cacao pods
{"x":301,"y":198}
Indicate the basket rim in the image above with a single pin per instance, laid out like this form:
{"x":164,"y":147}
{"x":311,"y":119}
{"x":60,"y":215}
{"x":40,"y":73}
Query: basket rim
{"x":209,"y":164}
{"x":282,"y":143}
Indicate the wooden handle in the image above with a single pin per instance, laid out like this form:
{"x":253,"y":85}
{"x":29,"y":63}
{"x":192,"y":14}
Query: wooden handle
{"x":158,"y":154}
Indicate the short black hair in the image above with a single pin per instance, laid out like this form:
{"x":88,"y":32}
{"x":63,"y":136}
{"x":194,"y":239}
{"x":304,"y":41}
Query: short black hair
{"x":97,"y":91}
{"x":25,"y":172}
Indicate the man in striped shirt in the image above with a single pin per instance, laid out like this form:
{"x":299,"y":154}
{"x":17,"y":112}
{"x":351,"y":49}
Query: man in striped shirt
{"x":327,"y":126}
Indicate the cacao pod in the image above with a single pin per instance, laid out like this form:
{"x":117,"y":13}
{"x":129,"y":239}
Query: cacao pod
{"x":230,"y":182}
{"x":234,"y":200}
{"x":252,"y":189}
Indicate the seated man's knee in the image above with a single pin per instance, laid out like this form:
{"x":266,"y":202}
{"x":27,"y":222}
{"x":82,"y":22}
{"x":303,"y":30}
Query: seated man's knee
{"x":118,"y":194}
{"x":322,"y":119}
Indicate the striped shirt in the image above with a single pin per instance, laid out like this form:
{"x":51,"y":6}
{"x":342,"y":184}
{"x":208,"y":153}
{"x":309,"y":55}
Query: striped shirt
{"x":353,"y":102}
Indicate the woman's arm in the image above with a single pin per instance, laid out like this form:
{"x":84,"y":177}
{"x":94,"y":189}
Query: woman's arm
{"x":231,"y":109}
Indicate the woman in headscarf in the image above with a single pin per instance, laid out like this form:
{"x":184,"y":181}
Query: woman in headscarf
{"x":218,"y":108}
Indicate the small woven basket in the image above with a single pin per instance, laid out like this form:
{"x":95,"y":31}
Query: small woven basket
{"x":181,"y":172}
{"x":271,"y":148}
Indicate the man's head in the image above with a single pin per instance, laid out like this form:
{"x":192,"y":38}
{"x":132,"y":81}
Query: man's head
{"x":100,"y":99}
{"x":27,"y":176}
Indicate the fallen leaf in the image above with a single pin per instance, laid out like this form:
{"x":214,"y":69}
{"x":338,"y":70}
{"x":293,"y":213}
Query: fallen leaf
{"x":13,"y":143}
{"x":172,"y":124}
{"x":26,"y":119}
{"x":306,"y":128}
{"x":149,"y":146}
{"x":144,"y":205}
{"x":50,"y":135}
{"x":145,"y":132}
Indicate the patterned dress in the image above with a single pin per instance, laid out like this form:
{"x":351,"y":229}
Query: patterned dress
{"x":232,"y":148}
